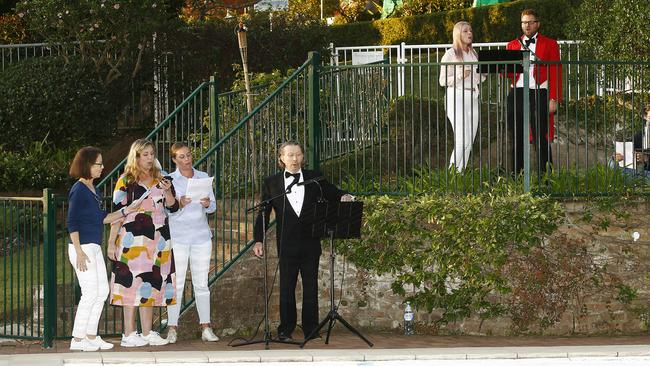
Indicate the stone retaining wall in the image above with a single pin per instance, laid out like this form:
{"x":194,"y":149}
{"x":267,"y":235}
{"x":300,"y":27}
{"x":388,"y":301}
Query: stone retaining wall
{"x":368,"y":302}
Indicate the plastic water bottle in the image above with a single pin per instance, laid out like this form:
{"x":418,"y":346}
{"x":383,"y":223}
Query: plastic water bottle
{"x":408,"y":319}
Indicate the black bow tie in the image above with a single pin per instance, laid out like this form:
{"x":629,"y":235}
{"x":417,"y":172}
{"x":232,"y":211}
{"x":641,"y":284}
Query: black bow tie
{"x":296,"y":175}
{"x":529,"y":41}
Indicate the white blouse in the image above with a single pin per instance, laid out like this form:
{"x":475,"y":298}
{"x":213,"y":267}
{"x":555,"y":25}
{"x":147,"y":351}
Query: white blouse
{"x":189,"y":225}
{"x":453,"y":75}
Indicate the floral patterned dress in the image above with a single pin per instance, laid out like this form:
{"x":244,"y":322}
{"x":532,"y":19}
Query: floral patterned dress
{"x":144,"y":274}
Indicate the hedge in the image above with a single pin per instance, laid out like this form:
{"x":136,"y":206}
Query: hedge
{"x":45,"y":98}
{"x":490,"y":24}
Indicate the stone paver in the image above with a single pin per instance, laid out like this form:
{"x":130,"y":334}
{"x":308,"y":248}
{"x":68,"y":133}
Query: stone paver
{"x":342,"y":347}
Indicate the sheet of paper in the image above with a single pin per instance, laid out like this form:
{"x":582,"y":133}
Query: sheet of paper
{"x":199,"y":188}
{"x":627,"y":150}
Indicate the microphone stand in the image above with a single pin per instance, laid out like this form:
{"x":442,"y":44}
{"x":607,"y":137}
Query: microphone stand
{"x":266,"y":339}
{"x":333,"y":315}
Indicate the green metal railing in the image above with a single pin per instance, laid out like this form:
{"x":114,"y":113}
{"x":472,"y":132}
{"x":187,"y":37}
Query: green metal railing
{"x":21,"y":272}
{"x":248,"y":152}
{"x":40,"y":291}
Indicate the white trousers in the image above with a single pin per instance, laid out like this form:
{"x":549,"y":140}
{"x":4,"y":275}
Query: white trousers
{"x":94,"y":290}
{"x":198,"y":256}
{"x":463,"y":113}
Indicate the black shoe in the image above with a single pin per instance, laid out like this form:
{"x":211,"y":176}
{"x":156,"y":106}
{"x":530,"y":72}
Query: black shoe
{"x":284,"y":338}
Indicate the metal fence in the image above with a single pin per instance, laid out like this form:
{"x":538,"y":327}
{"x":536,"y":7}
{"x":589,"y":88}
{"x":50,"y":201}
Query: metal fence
{"x":22,"y":270}
{"x":374,"y":142}
{"x":39,"y":291}
{"x":405,"y":54}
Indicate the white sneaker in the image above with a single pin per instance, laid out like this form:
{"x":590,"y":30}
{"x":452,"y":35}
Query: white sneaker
{"x":99,"y":342}
{"x":83,"y":345}
{"x":133,"y":340}
{"x":208,"y":335}
{"x":155,"y":339}
{"x":171,"y":335}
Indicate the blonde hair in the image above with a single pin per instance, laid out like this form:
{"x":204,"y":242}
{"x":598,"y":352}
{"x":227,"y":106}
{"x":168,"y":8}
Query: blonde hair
{"x":281,"y":150}
{"x":457,"y":42}
{"x":132,"y":170}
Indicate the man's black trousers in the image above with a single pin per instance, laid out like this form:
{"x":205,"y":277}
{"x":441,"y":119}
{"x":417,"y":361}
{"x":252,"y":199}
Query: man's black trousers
{"x":538,"y":126}
{"x":289,"y":269}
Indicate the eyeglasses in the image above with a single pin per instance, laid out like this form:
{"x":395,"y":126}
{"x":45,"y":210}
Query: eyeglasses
{"x":531,"y":22}
{"x":99,"y":164}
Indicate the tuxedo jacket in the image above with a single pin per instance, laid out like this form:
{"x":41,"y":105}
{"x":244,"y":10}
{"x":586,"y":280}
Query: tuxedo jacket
{"x":546,"y":49}
{"x":292,"y":239}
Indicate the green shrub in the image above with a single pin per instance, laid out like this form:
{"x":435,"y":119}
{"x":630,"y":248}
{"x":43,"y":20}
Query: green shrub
{"x":487,"y":255}
{"x":40,"y":165}
{"x":45,"y":96}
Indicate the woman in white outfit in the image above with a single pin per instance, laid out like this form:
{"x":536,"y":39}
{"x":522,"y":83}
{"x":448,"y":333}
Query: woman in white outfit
{"x":86,"y":219}
{"x":461,"y":99}
{"x":192,"y":242}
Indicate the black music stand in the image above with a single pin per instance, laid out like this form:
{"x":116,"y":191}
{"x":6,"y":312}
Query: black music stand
{"x":500,"y":55}
{"x":340,"y":220}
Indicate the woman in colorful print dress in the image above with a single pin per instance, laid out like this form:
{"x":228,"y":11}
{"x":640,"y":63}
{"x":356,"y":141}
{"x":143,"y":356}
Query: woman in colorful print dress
{"x":143,"y":270}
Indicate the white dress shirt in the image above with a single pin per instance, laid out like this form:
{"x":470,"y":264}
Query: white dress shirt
{"x":532,"y":84}
{"x":454,"y":76}
{"x":190,"y":224}
{"x":297,"y":195}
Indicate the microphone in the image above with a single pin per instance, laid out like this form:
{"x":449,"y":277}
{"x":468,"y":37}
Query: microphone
{"x":310,"y":181}
{"x":523,"y":45}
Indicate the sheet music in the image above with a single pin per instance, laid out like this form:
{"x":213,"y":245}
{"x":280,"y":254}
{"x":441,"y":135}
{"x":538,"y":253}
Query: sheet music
{"x":199,"y":188}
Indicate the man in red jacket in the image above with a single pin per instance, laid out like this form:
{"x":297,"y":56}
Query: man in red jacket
{"x":545,"y":82}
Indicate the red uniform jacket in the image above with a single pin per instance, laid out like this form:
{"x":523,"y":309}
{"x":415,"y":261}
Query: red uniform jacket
{"x":546,"y":50}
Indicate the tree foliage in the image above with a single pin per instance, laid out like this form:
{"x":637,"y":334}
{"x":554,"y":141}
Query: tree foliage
{"x":12,"y":29}
{"x":614,"y":29}
{"x":114,"y":34}
{"x":416,"y":7}
{"x":6,"y":6}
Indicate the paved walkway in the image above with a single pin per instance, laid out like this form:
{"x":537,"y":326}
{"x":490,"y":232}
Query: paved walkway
{"x":343,"y":347}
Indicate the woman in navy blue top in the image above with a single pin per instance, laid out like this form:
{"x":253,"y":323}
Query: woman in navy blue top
{"x":86,"y":219}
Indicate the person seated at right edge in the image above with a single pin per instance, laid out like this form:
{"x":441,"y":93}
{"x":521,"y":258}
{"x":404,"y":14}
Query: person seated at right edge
{"x":545,"y":84}
{"x":638,"y":144}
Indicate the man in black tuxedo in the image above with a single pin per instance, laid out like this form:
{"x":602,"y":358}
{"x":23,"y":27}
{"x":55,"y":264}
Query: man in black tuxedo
{"x":297,"y":251}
